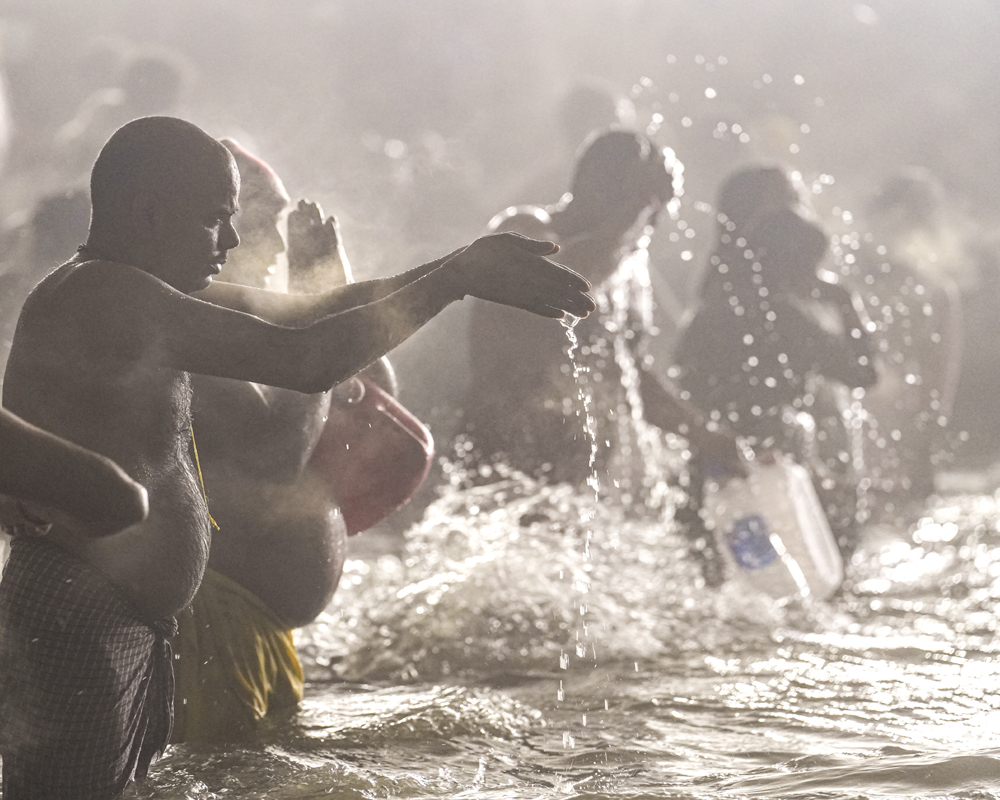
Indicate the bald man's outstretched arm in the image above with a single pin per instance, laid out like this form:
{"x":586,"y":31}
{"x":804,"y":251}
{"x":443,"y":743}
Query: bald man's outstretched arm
{"x":492,"y":268}
{"x":124,"y":313}
{"x":299,"y":310}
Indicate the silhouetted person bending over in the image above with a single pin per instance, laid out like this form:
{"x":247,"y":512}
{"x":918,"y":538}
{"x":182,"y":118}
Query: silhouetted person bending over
{"x":772,"y":342}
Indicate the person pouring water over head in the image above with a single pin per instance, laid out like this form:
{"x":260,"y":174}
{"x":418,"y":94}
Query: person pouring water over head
{"x":522,"y":404}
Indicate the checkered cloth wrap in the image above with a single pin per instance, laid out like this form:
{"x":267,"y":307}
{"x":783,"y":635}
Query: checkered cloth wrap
{"x":86,"y":688}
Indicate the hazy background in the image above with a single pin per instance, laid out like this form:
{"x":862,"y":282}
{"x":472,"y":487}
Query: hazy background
{"x":414,"y":121}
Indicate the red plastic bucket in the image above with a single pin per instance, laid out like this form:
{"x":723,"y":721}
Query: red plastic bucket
{"x":375,"y":454}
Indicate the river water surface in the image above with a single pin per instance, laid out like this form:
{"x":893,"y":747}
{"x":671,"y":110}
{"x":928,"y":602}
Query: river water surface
{"x":530,"y":642}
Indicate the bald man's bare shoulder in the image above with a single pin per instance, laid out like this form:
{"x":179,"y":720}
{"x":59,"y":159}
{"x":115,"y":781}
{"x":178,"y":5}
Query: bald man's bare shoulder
{"x":91,"y":299}
{"x":85,"y":276}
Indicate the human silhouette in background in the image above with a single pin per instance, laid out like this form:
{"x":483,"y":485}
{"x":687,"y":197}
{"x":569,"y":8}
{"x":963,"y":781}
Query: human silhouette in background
{"x":901,"y":265}
{"x":150,"y":81}
{"x":523,"y":403}
{"x":773,"y":345}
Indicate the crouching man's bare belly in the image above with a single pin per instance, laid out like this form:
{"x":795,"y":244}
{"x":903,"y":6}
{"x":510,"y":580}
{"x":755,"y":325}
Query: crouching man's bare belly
{"x":160,"y":562}
{"x":285,"y":543}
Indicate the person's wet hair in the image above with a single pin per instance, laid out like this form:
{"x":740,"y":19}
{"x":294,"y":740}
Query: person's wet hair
{"x":619,"y":166}
{"x":749,"y":191}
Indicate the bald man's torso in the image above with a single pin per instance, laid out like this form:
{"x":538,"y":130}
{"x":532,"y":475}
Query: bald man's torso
{"x":64,"y":378}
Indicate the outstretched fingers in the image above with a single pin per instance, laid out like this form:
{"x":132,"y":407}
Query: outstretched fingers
{"x":538,"y":247}
{"x":513,"y":270}
{"x":543,"y":309}
{"x":565,"y":288}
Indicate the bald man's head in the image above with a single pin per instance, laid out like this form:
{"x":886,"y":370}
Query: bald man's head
{"x":164,"y":194}
{"x":160,"y":155}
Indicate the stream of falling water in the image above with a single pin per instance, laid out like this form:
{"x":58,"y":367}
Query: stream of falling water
{"x":582,"y":586}
{"x":580,"y":372}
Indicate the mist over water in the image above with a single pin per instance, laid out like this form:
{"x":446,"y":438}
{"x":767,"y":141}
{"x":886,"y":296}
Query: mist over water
{"x":528,"y":640}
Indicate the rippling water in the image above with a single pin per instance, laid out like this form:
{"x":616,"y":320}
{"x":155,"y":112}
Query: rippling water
{"x":496,"y":658}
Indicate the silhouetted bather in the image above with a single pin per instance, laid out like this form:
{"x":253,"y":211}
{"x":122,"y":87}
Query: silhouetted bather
{"x":902,"y":263}
{"x":771,"y":343}
{"x":523,"y":402}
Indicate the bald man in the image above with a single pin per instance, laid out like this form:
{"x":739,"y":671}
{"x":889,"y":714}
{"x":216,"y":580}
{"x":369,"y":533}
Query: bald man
{"x":102,"y":356}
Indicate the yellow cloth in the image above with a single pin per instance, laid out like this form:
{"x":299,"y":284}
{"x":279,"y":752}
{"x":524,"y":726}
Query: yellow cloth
{"x":234,"y":661}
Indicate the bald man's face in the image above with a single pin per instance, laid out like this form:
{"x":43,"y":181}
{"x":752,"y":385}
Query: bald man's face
{"x":196,"y":232}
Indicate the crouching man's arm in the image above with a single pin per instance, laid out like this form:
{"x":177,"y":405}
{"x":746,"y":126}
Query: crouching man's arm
{"x":46,"y":479}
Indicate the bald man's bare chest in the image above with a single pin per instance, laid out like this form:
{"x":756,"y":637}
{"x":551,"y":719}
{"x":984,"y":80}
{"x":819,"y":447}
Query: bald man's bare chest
{"x":135,"y":413}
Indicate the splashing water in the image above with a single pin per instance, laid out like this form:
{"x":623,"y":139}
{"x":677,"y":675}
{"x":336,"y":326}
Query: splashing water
{"x":452,"y":653}
{"x":451,"y":670}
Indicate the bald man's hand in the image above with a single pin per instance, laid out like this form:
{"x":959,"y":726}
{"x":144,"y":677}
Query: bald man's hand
{"x":513,"y":270}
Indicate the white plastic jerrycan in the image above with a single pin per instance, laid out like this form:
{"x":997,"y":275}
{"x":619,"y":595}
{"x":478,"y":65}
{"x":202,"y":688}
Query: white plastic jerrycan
{"x":771,"y":530}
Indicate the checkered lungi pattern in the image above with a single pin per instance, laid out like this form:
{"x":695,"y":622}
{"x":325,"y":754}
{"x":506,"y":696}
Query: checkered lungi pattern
{"x":86,"y":688}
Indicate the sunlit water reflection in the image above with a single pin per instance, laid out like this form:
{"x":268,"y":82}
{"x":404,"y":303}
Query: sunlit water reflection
{"x":438,"y":674}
